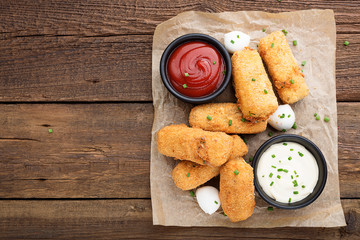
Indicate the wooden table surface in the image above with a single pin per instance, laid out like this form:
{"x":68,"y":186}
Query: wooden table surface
{"x":83,"y":69}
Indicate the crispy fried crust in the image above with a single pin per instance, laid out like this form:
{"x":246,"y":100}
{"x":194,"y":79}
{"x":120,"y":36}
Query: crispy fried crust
{"x":237,"y":191}
{"x":194,"y":144}
{"x":256,"y":99}
{"x":240,"y":148}
{"x":189,"y":175}
{"x":221,"y":113}
{"x":282,"y":68}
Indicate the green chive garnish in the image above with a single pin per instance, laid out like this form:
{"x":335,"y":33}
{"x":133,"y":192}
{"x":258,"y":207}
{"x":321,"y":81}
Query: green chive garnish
{"x":270,"y":209}
{"x":301,"y":70}
{"x":224,"y":72}
{"x":289,"y":200}
{"x":50,"y":130}
{"x":285,"y":32}
{"x":285,"y":170}
{"x":280,"y":170}
{"x":271,"y":183}
{"x":284,"y":130}
{"x":271,"y":174}
{"x":230,"y":122}
{"x":192,"y":193}
{"x":296,"y":192}
{"x":292,"y":177}
{"x":243,"y":119}
{"x":285,"y":144}
{"x":251,"y":159}
{"x":265,"y":91}
{"x":224,"y":214}
{"x":292,"y":81}
{"x":301,"y":154}
{"x":209,"y":117}
{"x":278,"y":176}
{"x":303,"y":186}
{"x":253,"y":79}
{"x":270,"y":134}
{"x":326,"y":119}
{"x":294,"y":42}
{"x":263,"y":175}
{"x":216,"y":202}
{"x":291,"y":149}
{"x":204,"y":161}
{"x":295,"y":172}
{"x":303,"y":63}
{"x":283,"y":115}
{"x":238,"y":36}
{"x":289,"y":158}
{"x":239,"y":109}
{"x":346,"y":43}
{"x":289,"y":115}
{"x":188,"y":174}
{"x":232,"y":41}
{"x":236,"y":172}
{"x":272,"y":45}
{"x":295,"y":183}
{"x":184,"y":85}
{"x":214,"y":62}
{"x":264,"y":29}
{"x":273,"y":166}
{"x":186,"y":74}
{"x":297,"y":175}
{"x":294,"y":126}
{"x":315,"y":114}
{"x":318,"y":117}
{"x":273,"y":156}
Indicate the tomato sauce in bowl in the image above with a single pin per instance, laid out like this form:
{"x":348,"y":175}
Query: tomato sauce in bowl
{"x":196,"y":69}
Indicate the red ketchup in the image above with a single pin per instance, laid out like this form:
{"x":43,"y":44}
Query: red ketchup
{"x":196,"y":69}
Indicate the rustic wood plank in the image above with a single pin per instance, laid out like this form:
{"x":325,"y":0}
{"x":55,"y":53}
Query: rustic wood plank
{"x":103,"y":150}
{"x":102,"y":219}
{"x":116,"y":68}
{"x":94,"y":18}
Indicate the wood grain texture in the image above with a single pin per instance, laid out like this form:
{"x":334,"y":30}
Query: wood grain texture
{"x":103,"y":150}
{"x":132,"y":219}
{"x":116,"y":68}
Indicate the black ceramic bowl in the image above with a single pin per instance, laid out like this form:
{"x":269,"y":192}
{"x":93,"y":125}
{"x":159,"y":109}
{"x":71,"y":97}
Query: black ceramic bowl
{"x":314,"y":150}
{"x":188,"y":38}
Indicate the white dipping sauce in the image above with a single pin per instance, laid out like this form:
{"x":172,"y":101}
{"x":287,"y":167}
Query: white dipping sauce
{"x":287,"y":172}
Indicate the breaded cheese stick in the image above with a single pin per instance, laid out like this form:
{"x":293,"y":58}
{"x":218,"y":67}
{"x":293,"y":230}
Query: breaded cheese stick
{"x":195,"y":144}
{"x":226,"y":117}
{"x":283,"y":69}
{"x":237,"y":189}
{"x":240,"y":148}
{"x":189,"y":175}
{"x":256,"y":98}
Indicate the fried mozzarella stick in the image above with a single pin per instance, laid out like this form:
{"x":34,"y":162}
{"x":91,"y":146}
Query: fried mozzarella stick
{"x":194,"y":144}
{"x":240,"y":148}
{"x":237,"y":189}
{"x":226,"y":117}
{"x":189,"y":175}
{"x":256,"y":98}
{"x":283,"y":69}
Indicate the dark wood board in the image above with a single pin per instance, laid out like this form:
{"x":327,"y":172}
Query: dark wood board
{"x":132,"y":219}
{"x":103,"y":150}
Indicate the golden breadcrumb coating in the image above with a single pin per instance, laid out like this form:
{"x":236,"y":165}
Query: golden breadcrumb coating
{"x":195,"y":144}
{"x":256,"y":98}
{"x":237,"y":189}
{"x":283,"y":68}
{"x":240,"y":148}
{"x":189,"y":175}
{"x":221,"y":114}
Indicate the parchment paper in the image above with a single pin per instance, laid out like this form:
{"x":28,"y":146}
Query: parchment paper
{"x":315,"y":33}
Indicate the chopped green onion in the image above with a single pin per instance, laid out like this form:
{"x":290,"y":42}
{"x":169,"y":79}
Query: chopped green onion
{"x":232,"y":41}
{"x":292,"y":81}
{"x":192,"y":193}
{"x":346,"y":43}
{"x":264,"y":29}
{"x":239,"y":109}
{"x":326,"y":119}
{"x":280,"y":170}
{"x":271,"y":183}
{"x":278,"y":176}
{"x":291,"y":149}
{"x":224,"y":72}
{"x":295,"y":183}
{"x":301,"y":154}
{"x":296,"y":192}
{"x":50,"y":130}
{"x":230,"y":122}
{"x":204,"y":161}
{"x":214,"y":62}
{"x":285,"y":144}
{"x":303,"y":63}
{"x":188,"y":174}
{"x":272,"y":45}
{"x":216,"y":202}
{"x":283,"y":115}
{"x":270,"y":209}
{"x":292,"y":177}
{"x":301,"y":70}
{"x":209,"y":117}
{"x":263,"y":175}
{"x":297,"y":175}
{"x":243,"y":119}
{"x":284,"y":130}
{"x":251,"y":159}
{"x":236,"y":172}
{"x":271,"y":174}
{"x":265,"y":91}
{"x":238,"y":36}
{"x":295,"y":172}
{"x":186,"y":74}
{"x":273,"y":166}
{"x":289,"y":115}
{"x":294,"y":42}
{"x":285,"y":32}
{"x":289,"y":200}
{"x":289,"y":158}
{"x":315,"y":114}
{"x":279,"y":161}
{"x":303,"y":186}
{"x":270,"y":134}
{"x":253,"y":79}
{"x":273,"y":156}
{"x":224,"y":214}
{"x":318,"y":117}
{"x":184,"y":85}
{"x":294,"y":126}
